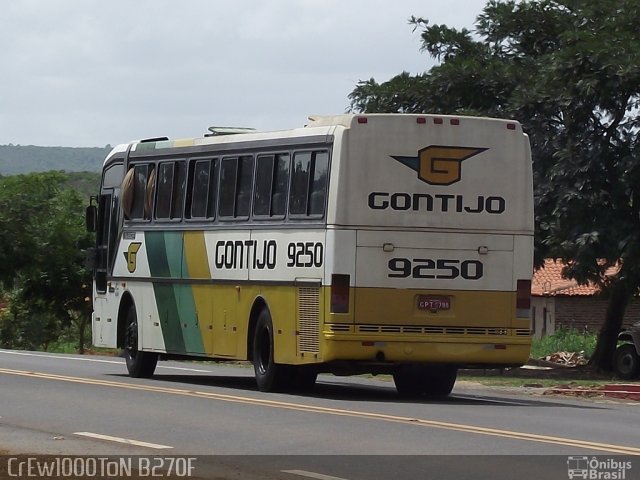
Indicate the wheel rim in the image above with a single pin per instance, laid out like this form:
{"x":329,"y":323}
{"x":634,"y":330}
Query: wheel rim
{"x":264,"y":351}
{"x":625,"y":363}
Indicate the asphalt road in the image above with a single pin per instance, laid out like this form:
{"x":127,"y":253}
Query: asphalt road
{"x":347,"y":428}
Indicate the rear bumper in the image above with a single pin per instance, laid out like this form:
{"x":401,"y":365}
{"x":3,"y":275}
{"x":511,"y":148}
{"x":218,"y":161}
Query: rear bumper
{"x":489,"y":350}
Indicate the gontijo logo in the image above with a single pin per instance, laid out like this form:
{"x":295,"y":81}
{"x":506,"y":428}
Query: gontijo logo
{"x":439,"y":165}
{"x":131,"y":255}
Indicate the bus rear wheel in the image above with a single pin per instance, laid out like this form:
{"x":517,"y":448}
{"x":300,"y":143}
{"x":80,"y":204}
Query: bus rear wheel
{"x":304,"y":378}
{"x":440,"y":380}
{"x":139,"y":364}
{"x":414,"y":380}
{"x":270,"y":376}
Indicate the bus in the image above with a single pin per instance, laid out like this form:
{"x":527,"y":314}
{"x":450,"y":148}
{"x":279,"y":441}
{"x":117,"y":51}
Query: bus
{"x":395,"y":244}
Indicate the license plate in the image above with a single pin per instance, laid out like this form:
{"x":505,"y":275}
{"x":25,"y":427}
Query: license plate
{"x":433,"y":303}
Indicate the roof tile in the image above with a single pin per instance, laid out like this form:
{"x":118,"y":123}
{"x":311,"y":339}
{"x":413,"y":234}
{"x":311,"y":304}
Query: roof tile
{"x":549,"y":282}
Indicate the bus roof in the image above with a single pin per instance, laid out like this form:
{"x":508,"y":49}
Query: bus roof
{"x":318,"y":125}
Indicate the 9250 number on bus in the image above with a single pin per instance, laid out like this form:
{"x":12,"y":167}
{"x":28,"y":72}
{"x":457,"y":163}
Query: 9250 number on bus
{"x":442,"y":269}
{"x":305,"y":254}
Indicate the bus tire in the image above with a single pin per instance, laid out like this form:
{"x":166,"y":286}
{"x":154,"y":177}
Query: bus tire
{"x":139,"y":364}
{"x":414,"y":380}
{"x":270,"y":376}
{"x":439,"y":380}
{"x":409,"y":380}
{"x":304,"y":378}
{"x":626,"y":362}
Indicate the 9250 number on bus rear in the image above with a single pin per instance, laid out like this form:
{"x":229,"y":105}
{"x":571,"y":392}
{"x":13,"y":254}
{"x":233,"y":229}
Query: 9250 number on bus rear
{"x":442,"y":269}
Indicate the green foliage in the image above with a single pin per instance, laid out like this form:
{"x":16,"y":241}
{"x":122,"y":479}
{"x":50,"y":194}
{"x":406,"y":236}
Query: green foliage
{"x":85,"y":183}
{"x":26,"y":324}
{"x":19,"y":159}
{"x":569,"y":71}
{"x":564,"y":340}
{"x":42,"y":272}
{"x":67,"y":341}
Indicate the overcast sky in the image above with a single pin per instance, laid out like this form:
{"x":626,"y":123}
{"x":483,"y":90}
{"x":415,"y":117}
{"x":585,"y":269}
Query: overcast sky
{"x":97,"y":72}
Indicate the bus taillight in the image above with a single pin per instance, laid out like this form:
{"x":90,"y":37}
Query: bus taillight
{"x":339,"y":293}
{"x":523,"y":297}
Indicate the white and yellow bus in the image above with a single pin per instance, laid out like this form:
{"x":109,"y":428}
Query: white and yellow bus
{"x":380,"y":243}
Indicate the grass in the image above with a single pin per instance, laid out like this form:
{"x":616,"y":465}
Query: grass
{"x":71,"y":347}
{"x":63,"y":346}
{"x":536,"y":382}
{"x":564,"y":340}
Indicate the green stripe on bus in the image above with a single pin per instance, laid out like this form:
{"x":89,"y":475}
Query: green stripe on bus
{"x":188,"y":319}
{"x":173,"y":249}
{"x":166,"y":301}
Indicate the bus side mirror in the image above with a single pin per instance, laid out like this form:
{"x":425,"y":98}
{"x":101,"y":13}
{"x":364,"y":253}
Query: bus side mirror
{"x":91,"y":218}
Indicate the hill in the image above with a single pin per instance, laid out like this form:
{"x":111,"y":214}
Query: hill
{"x":17,"y":159}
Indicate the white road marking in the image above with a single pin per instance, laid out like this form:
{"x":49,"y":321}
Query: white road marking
{"x":61,"y":357}
{"x":319,"y":476}
{"x":184,"y":369}
{"x":122,"y":440}
{"x":96,"y":360}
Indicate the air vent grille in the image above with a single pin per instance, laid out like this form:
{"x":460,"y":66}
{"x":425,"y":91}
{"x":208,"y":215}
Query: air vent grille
{"x":433,"y":330}
{"x":308,"y":320}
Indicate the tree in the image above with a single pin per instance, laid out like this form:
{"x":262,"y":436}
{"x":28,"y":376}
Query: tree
{"x":42,"y":238}
{"x":569,"y":71}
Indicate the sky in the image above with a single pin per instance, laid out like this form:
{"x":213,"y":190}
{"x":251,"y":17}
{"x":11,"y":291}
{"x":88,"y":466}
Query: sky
{"x":94,"y":72}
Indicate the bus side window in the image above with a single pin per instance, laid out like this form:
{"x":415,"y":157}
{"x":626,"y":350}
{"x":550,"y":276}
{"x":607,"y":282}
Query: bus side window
{"x":299,"y":183}
{"x":127,"y":193}
{"x":280,"y":184}
{"x":236,"y":178}
{"x":213,"y":189}
{"x":272,"y":181}
{"x":199,"y":180}
{"x":179,"y":185}
{"x":165,"y":190}
{"x":170,"y":192}
{"x":245,"y":180}
{"x":228,"y":179}
{"x":309,"y":183}
{"x":319,"y":183}
{"x":148,"y":199}
{"x":264,"y":184}
{"x":139,"y":204}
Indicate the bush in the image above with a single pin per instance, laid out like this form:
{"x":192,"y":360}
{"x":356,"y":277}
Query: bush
{"x":564,"y":340}
{"x":26,"y":325}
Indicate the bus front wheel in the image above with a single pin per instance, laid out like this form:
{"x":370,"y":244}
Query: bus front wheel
{"x":139,"y":364}
{"x":270,"y":376}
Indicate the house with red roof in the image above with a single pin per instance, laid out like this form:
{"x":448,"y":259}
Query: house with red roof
{"x":560,"y":302}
